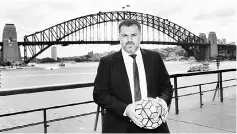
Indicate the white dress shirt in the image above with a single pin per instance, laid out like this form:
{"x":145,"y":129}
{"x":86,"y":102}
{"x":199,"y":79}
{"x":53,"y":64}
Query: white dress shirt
{"x":128,"y":61}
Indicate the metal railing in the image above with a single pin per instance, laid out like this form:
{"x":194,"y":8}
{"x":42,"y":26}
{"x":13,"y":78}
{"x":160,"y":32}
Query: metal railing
{"x":17,"y":91}
{"x":220,"y":81}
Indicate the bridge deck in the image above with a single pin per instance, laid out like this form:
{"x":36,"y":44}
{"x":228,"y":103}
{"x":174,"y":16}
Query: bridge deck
{"x":213,"y":117}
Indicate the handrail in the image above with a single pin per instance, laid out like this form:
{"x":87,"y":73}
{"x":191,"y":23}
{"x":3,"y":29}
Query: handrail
{"x":16,"y":91}
{"x":202,"y":72}
{"x":25,"y":90}
{"x":203,"y":84}
{"x":41,"y":109}
{"x":35,"y":89}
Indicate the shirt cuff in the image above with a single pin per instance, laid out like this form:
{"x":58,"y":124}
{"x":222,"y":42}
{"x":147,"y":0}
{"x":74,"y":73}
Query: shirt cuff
{"x":124,"y":113}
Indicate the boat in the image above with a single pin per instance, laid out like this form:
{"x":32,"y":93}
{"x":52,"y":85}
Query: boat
{"x":199,"y":67}
{"x":205,"y":67}
{"x":62,"y":65}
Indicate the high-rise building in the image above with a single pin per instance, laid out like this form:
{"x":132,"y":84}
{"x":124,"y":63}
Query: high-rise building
{"x":54,"y":52}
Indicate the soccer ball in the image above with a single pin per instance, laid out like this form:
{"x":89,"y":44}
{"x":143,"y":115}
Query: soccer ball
{"x":151,"y":113}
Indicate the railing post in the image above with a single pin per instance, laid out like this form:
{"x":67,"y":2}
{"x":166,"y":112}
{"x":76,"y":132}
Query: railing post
{"x":217,"y":87}
{"x":221,"y":88}
{"x":200,"y":91}
{"x":0,"y":78}
{"x":176,"y":96}
{"x":102,"y":116}
{"x":97,"y":117}
{"x":45,"y":121}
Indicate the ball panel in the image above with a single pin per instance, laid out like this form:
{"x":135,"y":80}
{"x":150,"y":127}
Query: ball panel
{"x":149,"y":123}
{"x":148,"y":112}
{"x":144,"y":103}
{"x":144,"y":115}
{"x":153,"y":109}
{"x":148,"y":104}
{"x":144,"y":121}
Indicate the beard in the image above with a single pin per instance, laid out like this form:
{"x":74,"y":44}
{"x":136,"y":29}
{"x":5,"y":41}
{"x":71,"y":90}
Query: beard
{"x":130,"y":47}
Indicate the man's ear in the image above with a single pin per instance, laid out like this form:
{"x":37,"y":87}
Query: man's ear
{"x":140,"y":37}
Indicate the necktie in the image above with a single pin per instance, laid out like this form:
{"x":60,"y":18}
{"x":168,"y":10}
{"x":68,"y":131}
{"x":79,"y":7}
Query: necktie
{"x":137,"y":91}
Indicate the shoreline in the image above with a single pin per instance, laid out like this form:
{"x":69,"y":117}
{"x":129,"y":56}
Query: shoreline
{"x":55,"y":65}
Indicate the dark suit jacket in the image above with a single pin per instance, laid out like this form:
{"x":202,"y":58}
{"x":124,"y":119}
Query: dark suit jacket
{"x":112,"y":90}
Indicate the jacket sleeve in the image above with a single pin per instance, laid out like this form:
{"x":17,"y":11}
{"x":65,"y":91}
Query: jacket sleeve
{"x":164,"y":82}
{"x":101,"y":92}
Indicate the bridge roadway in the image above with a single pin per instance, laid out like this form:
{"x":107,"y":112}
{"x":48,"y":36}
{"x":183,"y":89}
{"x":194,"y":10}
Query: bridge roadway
{"x":66,"y":43}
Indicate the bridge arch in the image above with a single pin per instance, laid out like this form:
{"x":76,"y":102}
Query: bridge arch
{"x":61,"y":31}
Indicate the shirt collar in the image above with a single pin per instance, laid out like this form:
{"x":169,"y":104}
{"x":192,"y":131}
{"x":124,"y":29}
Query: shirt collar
{"x":126,"y":54}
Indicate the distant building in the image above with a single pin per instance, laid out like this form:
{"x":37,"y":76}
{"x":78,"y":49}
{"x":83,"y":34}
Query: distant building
{"x":219,"y":41}
{"x":90,"y":54}
{"x":54,"y":52}
{"x":224,"y":41}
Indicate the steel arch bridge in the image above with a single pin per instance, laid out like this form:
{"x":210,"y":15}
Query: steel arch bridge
{"x":76,"y":31}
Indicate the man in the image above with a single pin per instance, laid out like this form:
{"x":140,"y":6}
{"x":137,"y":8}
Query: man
{"x":124,"y":76}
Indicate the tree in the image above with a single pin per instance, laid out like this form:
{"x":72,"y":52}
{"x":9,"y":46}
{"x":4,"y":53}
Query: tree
{"x":163,"y":53}
{"x":7,"y":63}
{"x":47,"y":60}
{"x":87,"y":56}
{"x":180,"y":51}
{"x":59,"y":59}
{"x":168,"y":50}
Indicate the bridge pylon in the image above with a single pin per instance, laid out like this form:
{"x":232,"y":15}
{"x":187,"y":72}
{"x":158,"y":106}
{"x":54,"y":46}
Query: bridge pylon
{"x":204,"y":50}
{"x":10,"y":51}
{"x":213,"y":48}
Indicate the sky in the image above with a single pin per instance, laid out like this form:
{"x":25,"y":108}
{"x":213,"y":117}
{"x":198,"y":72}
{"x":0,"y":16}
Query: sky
{"x":197,"y":16}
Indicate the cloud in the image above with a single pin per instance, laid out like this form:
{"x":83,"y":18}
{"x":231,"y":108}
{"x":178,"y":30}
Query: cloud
{"x":170,"y":11}
{"x":58,"y":6}
{"x":215,"y":14}
{"x":222,"y":21}
{"x":228,"y":12}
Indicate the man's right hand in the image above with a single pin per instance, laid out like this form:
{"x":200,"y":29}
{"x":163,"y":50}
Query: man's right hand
{"x":130,"y":112}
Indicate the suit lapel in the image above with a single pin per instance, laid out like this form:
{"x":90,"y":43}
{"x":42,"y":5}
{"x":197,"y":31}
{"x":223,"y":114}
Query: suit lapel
{"x":122,"y":71}
{"x":148,"y":68}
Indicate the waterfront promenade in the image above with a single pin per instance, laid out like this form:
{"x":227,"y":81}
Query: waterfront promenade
{"x":213,"y":117}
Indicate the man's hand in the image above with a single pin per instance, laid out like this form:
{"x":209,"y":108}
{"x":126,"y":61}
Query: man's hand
{"x":130,"y":112}
{"x":164,"y":105}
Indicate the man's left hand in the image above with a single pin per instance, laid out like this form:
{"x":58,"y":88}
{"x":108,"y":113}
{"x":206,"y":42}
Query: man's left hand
{"x":165,"y":108}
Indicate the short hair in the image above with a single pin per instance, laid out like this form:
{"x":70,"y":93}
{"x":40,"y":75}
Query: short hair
{"x":128,"y":23}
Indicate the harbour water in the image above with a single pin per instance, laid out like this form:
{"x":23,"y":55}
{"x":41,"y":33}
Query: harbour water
{"x":52,"y":74}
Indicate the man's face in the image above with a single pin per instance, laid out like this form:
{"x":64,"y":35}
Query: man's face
{"x":130,"y":38}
